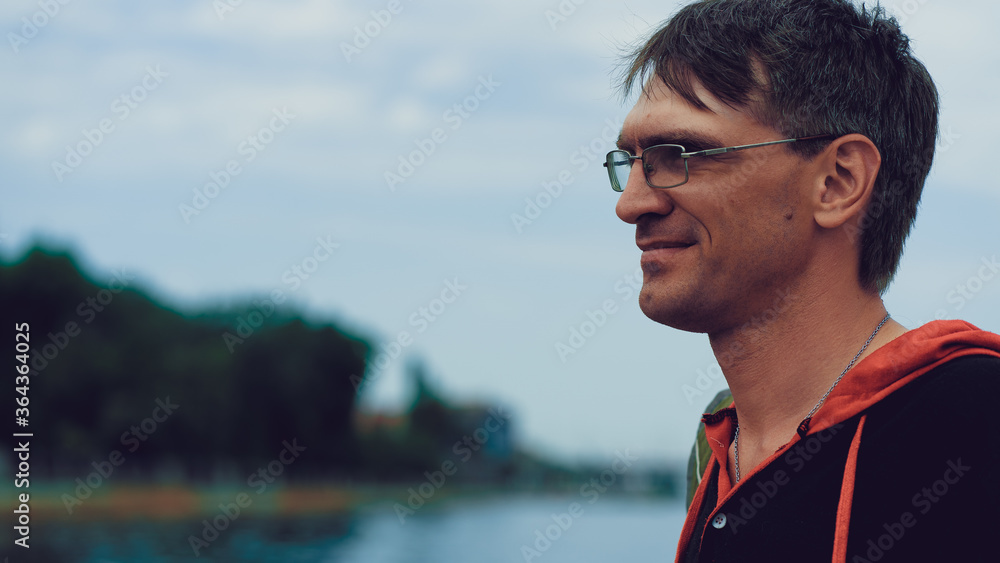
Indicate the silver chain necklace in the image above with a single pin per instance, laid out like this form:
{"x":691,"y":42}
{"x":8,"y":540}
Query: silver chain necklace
{"x":736,"y":437}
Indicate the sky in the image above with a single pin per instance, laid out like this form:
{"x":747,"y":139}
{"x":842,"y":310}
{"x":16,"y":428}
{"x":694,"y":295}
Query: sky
{"x":427,"y":175}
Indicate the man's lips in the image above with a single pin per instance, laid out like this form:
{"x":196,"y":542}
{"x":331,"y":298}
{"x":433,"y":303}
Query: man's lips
{"x":649,"y":245}
{"x":655,"y":251}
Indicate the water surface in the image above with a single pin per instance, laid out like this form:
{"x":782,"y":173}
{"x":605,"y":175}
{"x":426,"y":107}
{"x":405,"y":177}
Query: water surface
{"x":484,"y":530}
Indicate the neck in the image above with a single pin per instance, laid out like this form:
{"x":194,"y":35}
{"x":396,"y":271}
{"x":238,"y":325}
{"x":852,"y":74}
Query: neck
{"x":780,"y":364}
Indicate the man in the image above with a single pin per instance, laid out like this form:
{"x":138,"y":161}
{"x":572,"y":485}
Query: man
{"x":850,"y":438}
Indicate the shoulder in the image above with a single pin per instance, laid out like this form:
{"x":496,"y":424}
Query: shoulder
{"x":948,"y":404}
{"x":930,"y":455}
{"x":962,"y":388}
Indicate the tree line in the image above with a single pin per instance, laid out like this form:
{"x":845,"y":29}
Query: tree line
{"x":112,"y":369}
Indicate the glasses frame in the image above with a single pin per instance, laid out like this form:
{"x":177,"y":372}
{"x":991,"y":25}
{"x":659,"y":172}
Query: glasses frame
{"x":614,"y":156}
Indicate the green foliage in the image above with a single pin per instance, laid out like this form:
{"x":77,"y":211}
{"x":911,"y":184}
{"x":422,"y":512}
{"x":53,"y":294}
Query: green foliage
{"x":102,"y":354}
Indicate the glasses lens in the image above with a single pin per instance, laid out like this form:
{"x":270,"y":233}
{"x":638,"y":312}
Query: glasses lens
{"x":619,"y":166}
{"x":663,"y":166}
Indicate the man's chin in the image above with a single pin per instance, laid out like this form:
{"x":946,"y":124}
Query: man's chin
{"x":672,"y":311}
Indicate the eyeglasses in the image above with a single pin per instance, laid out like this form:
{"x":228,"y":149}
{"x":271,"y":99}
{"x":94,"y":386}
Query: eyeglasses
{"x":665,"y":166}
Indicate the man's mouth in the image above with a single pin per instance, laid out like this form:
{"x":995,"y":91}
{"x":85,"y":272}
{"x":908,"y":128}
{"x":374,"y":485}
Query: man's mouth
{"x":656,"y":252}
{"x":650,"y":245}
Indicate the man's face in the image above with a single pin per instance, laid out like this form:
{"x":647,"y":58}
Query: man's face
{"x":720,"y":248}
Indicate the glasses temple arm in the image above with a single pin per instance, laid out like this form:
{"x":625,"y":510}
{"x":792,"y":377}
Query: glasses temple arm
{"x":710,"y":152}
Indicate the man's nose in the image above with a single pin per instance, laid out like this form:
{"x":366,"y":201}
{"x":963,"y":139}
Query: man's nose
{"x":639,"y":198}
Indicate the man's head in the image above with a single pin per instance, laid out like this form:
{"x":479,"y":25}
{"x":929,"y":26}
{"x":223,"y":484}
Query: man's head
{"x":776,"y":69}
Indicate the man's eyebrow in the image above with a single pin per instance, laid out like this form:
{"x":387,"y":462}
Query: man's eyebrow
{"x":690,"y":140}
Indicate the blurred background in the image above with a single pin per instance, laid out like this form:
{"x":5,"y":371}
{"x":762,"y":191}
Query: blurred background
{"x":330,"y":281}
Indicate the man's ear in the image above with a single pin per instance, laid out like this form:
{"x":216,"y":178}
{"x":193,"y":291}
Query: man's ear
{"x":848,"y":167}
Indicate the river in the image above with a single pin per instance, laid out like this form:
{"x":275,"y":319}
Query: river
{"x":551,"y":529}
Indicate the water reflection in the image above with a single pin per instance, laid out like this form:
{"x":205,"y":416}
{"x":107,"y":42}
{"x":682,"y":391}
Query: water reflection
{"x":488,"y":530}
